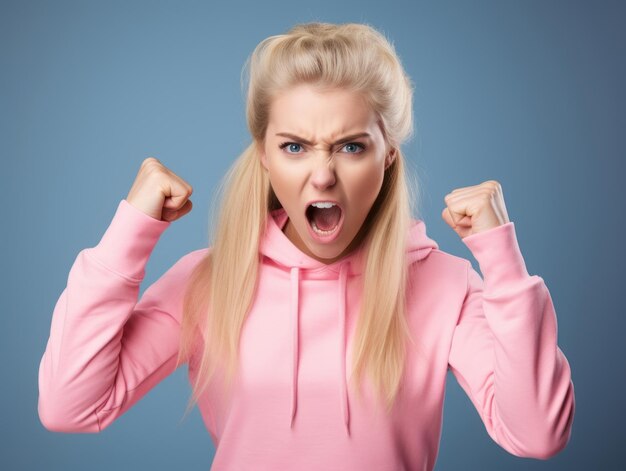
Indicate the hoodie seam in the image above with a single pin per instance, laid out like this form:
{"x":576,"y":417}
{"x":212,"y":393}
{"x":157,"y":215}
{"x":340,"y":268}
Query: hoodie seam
{"x":131,"y":279}
{"x":468,"y":264}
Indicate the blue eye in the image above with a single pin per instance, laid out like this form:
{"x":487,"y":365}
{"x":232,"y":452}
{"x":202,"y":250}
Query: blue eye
{"x":357,"y":144}
{"x":285,"y":144}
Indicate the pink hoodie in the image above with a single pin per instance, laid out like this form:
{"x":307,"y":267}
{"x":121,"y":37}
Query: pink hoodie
{"x":291,"y":407}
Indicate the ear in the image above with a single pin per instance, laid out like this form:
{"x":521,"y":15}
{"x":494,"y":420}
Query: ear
{"x":391,"y":155}
{"x":262,"y":156}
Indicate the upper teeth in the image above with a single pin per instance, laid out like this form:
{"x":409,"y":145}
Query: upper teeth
{"x":323,"y":205}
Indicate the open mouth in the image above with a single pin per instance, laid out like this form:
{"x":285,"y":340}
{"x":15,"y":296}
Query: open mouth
{"x":324,"y":219}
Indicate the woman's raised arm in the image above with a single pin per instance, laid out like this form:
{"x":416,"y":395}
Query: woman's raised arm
{"x":105,"y":349}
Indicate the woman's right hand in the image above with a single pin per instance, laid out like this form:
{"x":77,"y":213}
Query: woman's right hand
{"x":159,"y":192}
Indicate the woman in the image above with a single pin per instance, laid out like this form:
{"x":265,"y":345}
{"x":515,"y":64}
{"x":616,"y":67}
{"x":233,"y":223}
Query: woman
{"x":317,"y":264}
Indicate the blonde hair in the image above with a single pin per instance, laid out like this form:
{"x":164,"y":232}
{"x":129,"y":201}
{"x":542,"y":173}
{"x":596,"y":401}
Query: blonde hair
{"x":221,"y":287}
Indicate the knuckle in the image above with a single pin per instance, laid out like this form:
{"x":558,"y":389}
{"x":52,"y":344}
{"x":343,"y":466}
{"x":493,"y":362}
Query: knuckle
{"x":495,"y":185}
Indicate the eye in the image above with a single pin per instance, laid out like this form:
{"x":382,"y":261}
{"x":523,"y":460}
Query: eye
{"x":355,"y":144}
{"x":285,"y":144}
{"x":289,"y":144}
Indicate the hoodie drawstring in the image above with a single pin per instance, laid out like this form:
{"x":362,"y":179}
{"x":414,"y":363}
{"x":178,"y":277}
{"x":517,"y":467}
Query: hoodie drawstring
{"x":294,"y":308}
{"x":345,"y":405}
{"x":295,"y":275}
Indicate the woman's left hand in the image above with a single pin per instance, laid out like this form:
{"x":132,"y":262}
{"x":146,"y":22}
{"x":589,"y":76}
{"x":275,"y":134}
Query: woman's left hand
{"x":474,"y":209}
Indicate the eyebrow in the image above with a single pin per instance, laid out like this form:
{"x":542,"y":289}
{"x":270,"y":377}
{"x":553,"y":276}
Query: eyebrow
{"x":340,"y":141}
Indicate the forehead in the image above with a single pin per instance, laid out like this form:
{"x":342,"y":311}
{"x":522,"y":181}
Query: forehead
{"x":305,"y":110}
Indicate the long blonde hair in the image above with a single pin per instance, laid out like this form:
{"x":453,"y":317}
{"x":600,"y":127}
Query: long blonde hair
{"x":221,"y":287}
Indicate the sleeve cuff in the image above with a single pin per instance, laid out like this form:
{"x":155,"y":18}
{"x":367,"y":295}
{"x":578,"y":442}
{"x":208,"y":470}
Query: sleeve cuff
{"x":129,"y":241}
{"x":498,"y":253}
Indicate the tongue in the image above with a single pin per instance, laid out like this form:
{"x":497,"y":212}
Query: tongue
{"x":326,"y":218}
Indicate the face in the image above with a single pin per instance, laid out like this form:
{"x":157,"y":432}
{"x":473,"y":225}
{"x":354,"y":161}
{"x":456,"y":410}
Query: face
{"x":311,"y":154}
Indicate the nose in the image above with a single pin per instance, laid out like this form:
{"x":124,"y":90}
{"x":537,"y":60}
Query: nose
{"x":323,"y":175}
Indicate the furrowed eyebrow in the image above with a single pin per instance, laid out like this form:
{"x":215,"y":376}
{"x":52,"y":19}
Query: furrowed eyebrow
{"x":309,"y":143}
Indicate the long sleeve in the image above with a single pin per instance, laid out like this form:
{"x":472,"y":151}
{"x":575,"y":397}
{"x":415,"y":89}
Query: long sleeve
{"x":504,"y":350}
{"x":106,"y":350}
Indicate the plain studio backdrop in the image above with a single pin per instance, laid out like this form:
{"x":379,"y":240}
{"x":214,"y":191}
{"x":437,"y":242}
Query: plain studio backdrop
{"x":529,"y":93}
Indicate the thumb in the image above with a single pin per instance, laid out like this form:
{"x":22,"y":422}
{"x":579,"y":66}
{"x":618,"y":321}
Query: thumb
{"x":447,"y":217}
{"x":174,"y":202}
{"x":179,"y":194}
{"x":172,"y":215}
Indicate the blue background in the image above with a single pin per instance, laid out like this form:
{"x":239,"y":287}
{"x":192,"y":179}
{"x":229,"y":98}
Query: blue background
{"x":527,"y":93}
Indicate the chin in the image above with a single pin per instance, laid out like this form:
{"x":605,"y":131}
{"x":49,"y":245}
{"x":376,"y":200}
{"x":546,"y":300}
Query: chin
{"x":327,"y":253}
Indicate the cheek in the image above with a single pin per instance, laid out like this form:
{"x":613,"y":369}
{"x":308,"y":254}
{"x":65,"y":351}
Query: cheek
{"x":284,"y":183}
{"x":366,"y":186}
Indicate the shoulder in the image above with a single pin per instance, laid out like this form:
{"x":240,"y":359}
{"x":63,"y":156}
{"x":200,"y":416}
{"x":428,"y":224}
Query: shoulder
{"x":196,"y":255}
{"x":185,"y":264}
{"x":440,"y":266}
{"x":190,"y":260}
{"x":440,"y":259}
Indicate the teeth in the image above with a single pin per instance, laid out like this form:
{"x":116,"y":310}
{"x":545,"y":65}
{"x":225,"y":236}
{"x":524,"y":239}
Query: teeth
{"x":321,"y":232}
{"x":323,"y":205}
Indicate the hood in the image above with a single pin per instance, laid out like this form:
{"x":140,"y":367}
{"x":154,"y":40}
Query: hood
{"x":276,"y":246}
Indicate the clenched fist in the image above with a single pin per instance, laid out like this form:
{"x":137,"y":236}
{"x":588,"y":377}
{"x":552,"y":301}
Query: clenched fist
{"x":474,"y":209}
{"x":159,"y":192}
